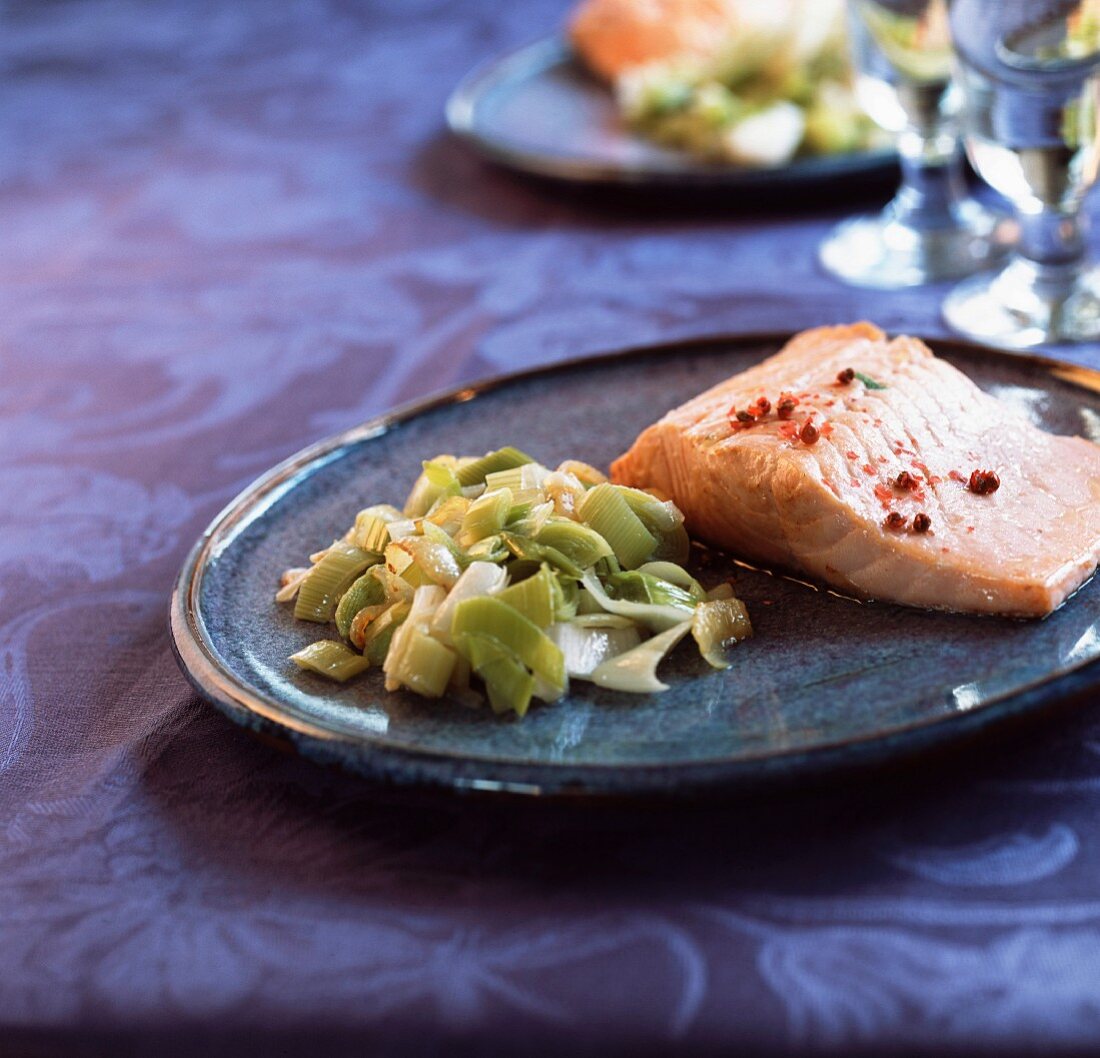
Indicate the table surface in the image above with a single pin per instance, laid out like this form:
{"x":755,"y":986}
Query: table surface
{"x":230,"y":229}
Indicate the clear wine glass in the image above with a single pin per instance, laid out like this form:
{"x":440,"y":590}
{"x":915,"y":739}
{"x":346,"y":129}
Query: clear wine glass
{"x":1029,"y":71}
{"x":932,"y":230}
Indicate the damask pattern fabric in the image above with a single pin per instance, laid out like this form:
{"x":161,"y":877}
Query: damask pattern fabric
{"x":230,"y":229}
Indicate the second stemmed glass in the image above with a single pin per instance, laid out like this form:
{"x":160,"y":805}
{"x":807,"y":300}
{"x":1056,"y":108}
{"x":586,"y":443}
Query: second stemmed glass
{"x":1030,"y":73}
{"x":932,"y":230}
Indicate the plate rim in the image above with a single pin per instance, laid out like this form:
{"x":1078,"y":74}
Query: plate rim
{"x":460,"y":110}
{"x":198,"y":659}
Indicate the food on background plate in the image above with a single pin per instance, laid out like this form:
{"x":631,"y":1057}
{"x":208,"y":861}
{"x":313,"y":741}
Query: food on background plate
{"x":878,"y":468}
{"x":753,"y":82}
{"x":501,"y":574}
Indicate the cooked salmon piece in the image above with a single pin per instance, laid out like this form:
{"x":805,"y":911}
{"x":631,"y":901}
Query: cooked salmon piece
{"x":876,"y":467}
{"x":614,"y":36}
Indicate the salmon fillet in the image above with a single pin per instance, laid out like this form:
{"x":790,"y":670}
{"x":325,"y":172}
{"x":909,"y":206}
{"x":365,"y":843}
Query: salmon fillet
{"x":834,"y":508}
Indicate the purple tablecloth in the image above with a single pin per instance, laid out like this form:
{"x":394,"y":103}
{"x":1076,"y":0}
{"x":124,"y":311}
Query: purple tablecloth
{"x":229,"y":229}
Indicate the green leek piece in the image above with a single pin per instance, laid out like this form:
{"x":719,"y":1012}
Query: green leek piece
{"x":675,"y":574}
{"x":485,"y":517}
{"x":331,"y":659}
{"x":653,"y":616}
{"x":587,"y":475}
{"x":401,"y":561}
{"x":428,"y":559}
{"x":502,"y":459}
{"x":524,"y":547}
{"x":673,"y":546}
{"x":719,"y":625}
{"x":397,"y":589}
{"x":447,"y":513}
{"x":587,"y":603}
{"x":437,"y":479}
{"x":425,"y":665}
{"x":489,"y":616}
{"x":329,"y":579}
{"x":532,"y":523}
{"x":635,"y":586}
{"x":658,"y":516}
{"x":357,"y":630}
{"x":519,"y":479}
{"x":379,"y":633}
{"x":534,"y":597}
{"x":636,"y":670}
{"x":366,"y":591}
{"x":507,"y":680}
{"x":606,"y":510}
{"x":370,"y":532}
{"x":601,"y":620}
{"x":583,"y":545}
{"x":565,"y":599}
{"x":491,"y":549}
{"x":438,"y":535}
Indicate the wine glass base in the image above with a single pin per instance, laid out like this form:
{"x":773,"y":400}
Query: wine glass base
{"x":885,"y":253}
{"x":1017,"y":308}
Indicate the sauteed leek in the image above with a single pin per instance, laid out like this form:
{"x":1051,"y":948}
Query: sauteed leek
{"x":501,"y":571}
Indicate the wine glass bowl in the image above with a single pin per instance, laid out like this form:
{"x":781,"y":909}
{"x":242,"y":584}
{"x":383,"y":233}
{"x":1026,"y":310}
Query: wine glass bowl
{"x":932,"y":230}
{"x":1029,"y":74}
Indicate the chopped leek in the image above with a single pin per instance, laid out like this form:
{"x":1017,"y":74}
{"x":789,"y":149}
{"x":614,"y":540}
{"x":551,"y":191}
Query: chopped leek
{"x":636,"y":670}
{"x":531,"y":550}
{"x":658,"y":516}
{"x":491,"y":549}
{"x":651,"y":615}
{"x":370,"y":532}
{"x":675,"y":574}
{"x":424,"y":664}
{"x":585,"y":647}
{"x":635,"y":586}
{"x":719,"y":625}
{"x":447,"y":514}
{"x":606,"y":510}
{"x":437,"y":479}
{"x":379,"y":633}
{"x":331,"y":659}
{"x":479,"y":578}
{"x":582,"y":545}
{"x":518,"y":479}
{"x":430,"y":562}
{"x":320,"y":591}
{"x":289,"y":583}
{"x":357,"y":629}
{"x":489,"y":616}
{"x":534,"y":597}
{"x":585,"y":474}
{"x":365,"y":591}
{"x":485,"y":517}
{"x":501,"y":579}
{"x":507,"y":458}
{"x":507,"y":680}
{"x":673,"y":546}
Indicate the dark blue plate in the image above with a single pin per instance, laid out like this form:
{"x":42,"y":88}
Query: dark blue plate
{"x":825,"y":682}
{"x":537,"y":110}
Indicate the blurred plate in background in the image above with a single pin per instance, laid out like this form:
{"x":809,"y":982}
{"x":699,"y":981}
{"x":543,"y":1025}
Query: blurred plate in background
{"x":538,"y":111}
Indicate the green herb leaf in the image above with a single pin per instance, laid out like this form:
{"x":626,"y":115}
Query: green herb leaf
{"x":868,"y":381}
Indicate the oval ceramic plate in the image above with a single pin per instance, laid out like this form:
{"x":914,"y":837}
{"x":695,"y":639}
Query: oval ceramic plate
{"x":825,"y":682}
{"x":537,"y":110}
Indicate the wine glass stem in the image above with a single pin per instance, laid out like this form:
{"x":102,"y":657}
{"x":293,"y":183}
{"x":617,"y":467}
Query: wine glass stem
{"x":932,"y":182}
{"x":1052,"y":241}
